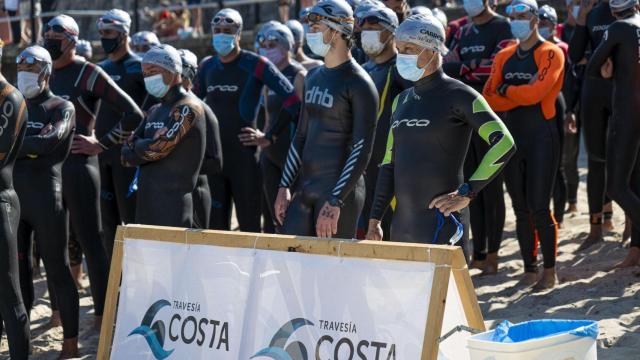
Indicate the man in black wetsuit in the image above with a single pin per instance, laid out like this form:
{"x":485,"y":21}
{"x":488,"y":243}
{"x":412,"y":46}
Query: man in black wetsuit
{"x":473,"y":48}
{"x":117,"y":202}
{"x":618,"y":57}
{"x":231,"y":84}
{"x":378,"y":26}
{"x":593,"y":20}
{"x":86,"y":85}
{"x":13,"y":113}
{"x":275,"y":43}
{"x":432,"y":125}
{"x":47,"y":143}
{"x":212,"y":162}
{"x":169,"y":145}
{"x":334,"y":138}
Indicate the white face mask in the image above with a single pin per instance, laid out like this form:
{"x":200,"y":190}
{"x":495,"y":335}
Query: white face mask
{"x":28,"y":84}
{"x":155,"y":86}
{"x":371,"y":43}
{"x":316,"y":43}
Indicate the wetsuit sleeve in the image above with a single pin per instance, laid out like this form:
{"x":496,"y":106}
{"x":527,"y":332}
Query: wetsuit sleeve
{"x":364,"y":106}
{"x":272,"y":78}
{"x":578,"y":44}
{"x":294,"y":160}
{"x":100,"y":85}
{"x":128,"y":156}
{"x":185,"y":116}
{"x":62,"y":121}
{"x":602,"y":53}
{"x":15,"y":118}
{"x":493,"y":131}
{"x":213,"y":155}
{"x":386,"y":177}
{"x":550,"y":61}
{"x":490,"y":92}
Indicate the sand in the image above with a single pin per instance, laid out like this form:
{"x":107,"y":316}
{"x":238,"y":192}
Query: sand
{"x":586,"y":291}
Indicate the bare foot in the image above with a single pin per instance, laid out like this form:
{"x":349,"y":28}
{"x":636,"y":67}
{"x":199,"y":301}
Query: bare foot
{"x":632,"y":259}
{"x":55,"y":321}
{"x":69,"y":349}
{"x":607,"y":225}
{"x":76,"y":272}
{"x":491,"y":264}
{"x":549,"y":280}
{"x":607,"y":214}
{"x":626,"y":234}
{"x":573,"y":209}
{"x":595,"y":236}
{"x":528,"y":279}
{"x":478,"y":264}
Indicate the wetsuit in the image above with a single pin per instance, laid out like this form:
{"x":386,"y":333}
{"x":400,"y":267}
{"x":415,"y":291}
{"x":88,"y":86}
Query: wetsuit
{"x":453,"y":27}
{"x":233,"y":91}
{"x":595,"y":104}
{"x":211,"y":165}
{"x":531,"y":110}
{"x":559,"y":194}
{"x":331,"y":148}
{"x":480,"y":44}
{"x":117,"y":203}
{"x":623,"y":172}
{"x":170,"y":164}
{"x":273,"y":157}
{"x":13,"y":114}
{"x":389,"y":84}
{"x":38,"y":182}
{"x":85,"y":85}
{"x":431,"y":128}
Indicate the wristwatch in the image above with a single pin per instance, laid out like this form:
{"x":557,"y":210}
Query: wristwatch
{"x":466,"y":191}
{"x":335,"y":202}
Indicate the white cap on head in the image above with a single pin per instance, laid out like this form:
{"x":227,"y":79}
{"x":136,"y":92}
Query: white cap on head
{"x":115,"y":19}
{"x":165,"y":56}
{"x":227,"y":17}
{"x":68,"y":24}
{"x":40,"y":54}
{"x":425,"y":31}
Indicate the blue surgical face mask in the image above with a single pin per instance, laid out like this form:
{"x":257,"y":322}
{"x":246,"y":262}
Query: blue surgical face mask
{"x":155,"y":86}
{"x":316,"y":43}
{"x":224,"y":43}
{"x":473,"y":7}
{"x":521,"y":29}
{"x":407,"y":66}
{"x":545,"y":32}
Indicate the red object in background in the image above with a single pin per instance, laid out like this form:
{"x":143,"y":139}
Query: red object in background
{"x":165,"y":14}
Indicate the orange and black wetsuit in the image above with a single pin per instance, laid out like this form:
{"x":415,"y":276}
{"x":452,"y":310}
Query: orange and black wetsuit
{"x":525,"y":85}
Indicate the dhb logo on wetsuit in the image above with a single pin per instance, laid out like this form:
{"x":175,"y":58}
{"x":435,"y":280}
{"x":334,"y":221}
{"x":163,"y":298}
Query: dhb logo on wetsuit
{"x":410,"y":123}
{"x":317,"y":96}
{"x":224,"y":88}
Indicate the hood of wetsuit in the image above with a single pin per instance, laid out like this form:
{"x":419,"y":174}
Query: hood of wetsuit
{"x":45,"y":95}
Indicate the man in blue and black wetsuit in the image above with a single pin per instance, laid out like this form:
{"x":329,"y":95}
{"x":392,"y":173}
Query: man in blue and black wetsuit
{"x":231,"y":83}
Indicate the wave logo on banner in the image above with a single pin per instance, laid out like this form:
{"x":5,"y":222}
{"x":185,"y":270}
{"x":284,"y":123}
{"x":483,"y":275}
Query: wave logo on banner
{"x":154,"y":334}
{"x":295,"y":351}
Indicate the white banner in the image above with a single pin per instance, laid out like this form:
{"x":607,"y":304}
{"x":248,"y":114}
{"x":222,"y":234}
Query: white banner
{"x":207,"y":302}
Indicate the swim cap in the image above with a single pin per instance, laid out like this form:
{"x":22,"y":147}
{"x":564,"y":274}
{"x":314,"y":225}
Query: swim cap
{"x":115,"y":19}
{"x":622,"y":5}
{"x":365,"y":6}
{"x":83,"y":48}
{"x":278,"y":32}
{"x":229,"y":18}
{"x":531,"y":4}
{"x":165,"y":56}
{"x":440,"y":15}
{"x":297,"y":30}
{"x":189,"y":64}
{"x":69,"y":26}
{"x":336,"y":14}
{"x":38,"y":53}
{"x":421,"y":10}
{"x":423,"y":30}
{"x":145,"y":38}
{"x":386,"y":16}
{"x":548,"y":13}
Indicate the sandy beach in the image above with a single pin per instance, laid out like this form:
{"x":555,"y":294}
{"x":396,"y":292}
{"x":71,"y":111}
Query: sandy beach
{"x":586,"y":291}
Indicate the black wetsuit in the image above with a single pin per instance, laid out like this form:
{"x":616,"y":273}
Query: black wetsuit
{"x":560,"y":187}
{"x":233,"y":91}
{"x":170,"y":164}
{"x":211,"y":165}
{"x":595,"y":104}
{"x":38,"y":182}
{"x":480,"y":44}
{"x":117,"y":203}
{"x":621,"y":43}
{"x":273,"y":157}
{"x":431,"y":128}
{"x":331,"y":148}
{"x":86,"y":85}
{"x":13,"y":115}
{"x":389,"y":84}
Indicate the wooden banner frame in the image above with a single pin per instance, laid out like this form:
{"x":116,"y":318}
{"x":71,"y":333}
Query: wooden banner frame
{"x":451,"y":257}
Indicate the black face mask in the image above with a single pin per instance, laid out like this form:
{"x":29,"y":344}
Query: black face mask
{"x":54,"y":47}
{"x":110,"y":45}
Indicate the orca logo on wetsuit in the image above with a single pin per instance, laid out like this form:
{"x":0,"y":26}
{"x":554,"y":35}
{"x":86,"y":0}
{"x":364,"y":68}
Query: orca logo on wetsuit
{"x":599,"y":28}
{"x":411,"y":123}
{"x":224,"y":88}
{"x":35,"y":125}
{"x":154,"y":125}
{"x":518,"y":75}
{"x":317,"y":96}
{"x":472,"y":49}
{"x":7,"y":112}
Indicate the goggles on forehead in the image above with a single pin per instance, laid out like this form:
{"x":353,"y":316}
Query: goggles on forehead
{"x":315,"y":18}
{"x":263,"y":38}
{"x":221,"y":20}
{"x":57,"y":28}
{"x":519,"y":8}
{"x":29,"y":60}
